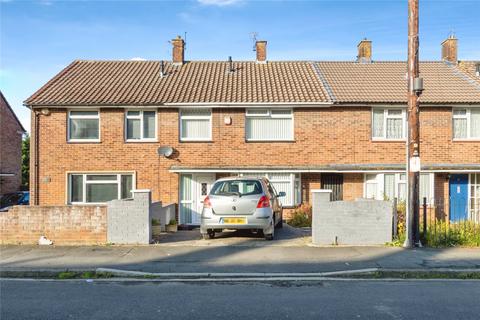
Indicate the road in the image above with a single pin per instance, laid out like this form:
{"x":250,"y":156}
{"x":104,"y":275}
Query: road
{"x":319,"y":300}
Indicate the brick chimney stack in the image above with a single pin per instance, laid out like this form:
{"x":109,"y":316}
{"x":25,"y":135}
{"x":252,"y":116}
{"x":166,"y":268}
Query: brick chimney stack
{"x":364,"y":51}
{"x":178,"y":51}
{"x":261,"y":49}
{"x":449,"y":49}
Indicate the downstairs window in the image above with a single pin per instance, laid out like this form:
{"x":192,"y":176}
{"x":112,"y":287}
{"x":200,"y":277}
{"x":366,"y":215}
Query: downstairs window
{"x":99,"y":188}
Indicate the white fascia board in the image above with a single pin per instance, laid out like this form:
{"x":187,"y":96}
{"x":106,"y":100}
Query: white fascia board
{"x":309,"y":171}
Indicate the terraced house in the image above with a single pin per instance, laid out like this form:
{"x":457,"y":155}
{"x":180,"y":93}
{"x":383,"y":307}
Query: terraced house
{"x":98,"y":127}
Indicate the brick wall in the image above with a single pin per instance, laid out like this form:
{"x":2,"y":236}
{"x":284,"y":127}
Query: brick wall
{"x":65,"y":225}
{"x":10,"y":149}
{"x":322,"y":136}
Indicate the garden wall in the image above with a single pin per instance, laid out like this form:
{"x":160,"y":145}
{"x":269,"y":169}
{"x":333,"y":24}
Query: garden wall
{"x":64,"y":225}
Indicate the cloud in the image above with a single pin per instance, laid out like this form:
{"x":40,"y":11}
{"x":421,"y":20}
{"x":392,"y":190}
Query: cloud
{"x":138,"y":59}
{"x":219,"y":3}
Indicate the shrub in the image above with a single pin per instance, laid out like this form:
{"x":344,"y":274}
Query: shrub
{"x":155,"y":222}
{"x":172,"y":222}
{"x":302,"y":216}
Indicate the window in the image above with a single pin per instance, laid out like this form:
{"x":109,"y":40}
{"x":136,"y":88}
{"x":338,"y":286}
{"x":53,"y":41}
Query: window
{"x":388,"y":124}
{"x":394,"y":186}
{"x":283,"y":182}
{"x":196,"y":125}
{"x":141,"y":125}
{"x":83,"y":126}
{"x":269,"y":125}
{"x":99,"y":188}
{"x":466,"y":123}
{"x":474,"y":212}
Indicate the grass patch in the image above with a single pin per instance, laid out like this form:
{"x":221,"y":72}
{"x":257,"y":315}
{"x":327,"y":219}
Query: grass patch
{"x":383,"y":274}
{"x":84,"y":275}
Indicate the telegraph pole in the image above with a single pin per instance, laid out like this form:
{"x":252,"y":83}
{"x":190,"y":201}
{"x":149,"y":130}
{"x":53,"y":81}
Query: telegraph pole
{"x":415,"y":88}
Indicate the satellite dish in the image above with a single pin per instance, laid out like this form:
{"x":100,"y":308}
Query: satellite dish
{"x":165,"y":151}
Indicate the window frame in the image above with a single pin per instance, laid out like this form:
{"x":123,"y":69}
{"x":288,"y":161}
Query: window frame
{"x":84,"y":175}
{"x":69,"y":117}
{"x":269,"y":115}
{"x":142,"y":129}
{"x":468,"y":117}
{"x":385,"y":118}
{"x":182,"y":117}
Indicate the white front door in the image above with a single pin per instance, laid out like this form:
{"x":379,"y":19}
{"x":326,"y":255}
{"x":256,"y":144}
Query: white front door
{"x":202,"y":184}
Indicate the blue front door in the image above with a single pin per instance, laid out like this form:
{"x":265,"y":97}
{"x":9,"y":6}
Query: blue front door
{"x":458,"y":197}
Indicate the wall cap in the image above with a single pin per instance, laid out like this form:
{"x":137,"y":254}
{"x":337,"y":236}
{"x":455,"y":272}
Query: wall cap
{"x":140,"y":190}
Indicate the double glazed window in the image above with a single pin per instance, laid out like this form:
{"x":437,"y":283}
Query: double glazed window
{"x":141,"y":125}
{"x":195,"y":124}
{"x":466,"y":123}
{"x":83,"y":126}
{"x":388,"y":124}
{"x":269,"y":125}
{"x":99,"y":188}
{"x":394,"y":185}
{"x":283,"y":182}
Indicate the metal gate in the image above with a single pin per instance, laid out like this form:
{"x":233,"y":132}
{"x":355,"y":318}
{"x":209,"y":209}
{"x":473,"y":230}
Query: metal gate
{"x":334,"y":182}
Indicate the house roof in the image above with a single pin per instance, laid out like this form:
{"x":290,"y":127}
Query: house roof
{"x":385,"y":82}
{"x":140,"y":83}
{"x":470,"y":68}
{"x":123,"y":83}
{"x":5,"y":102}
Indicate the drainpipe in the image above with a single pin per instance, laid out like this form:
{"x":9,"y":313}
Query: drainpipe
{"x":36,"y":171}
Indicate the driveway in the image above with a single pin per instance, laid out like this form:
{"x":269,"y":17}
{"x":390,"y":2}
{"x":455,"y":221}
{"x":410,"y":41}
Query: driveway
{"x":285,"y":237}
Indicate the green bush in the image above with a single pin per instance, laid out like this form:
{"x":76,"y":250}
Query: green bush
{"x":301,"y":216}
{"x":447,"y":234}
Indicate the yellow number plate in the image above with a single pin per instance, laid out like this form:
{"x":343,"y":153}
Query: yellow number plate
{"x":234,"y":220}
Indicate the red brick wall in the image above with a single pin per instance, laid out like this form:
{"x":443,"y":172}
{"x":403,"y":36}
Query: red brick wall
{"x":10,"y":150}
{"x":322,"y":136}
{"x":64,"y":225}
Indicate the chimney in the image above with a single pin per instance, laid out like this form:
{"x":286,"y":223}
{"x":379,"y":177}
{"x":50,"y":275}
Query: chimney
{"x":449,"y":49}
{"x":261,"y":49}
{"x":364,"y":51}
{"x":178,"y":51}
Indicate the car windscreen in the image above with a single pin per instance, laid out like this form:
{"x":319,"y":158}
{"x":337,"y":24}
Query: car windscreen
{"x":237,"y":187}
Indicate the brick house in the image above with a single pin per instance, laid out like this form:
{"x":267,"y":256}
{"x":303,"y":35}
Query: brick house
{"x":98,"y":125}
{"x":11,"y":133}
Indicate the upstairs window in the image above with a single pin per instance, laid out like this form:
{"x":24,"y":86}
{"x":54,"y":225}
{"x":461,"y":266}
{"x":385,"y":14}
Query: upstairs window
{"x":466,"y":123}
{"x":195,"y":125}
{"x":83,"y":126}
{"x":269,"y":125}
{"x":141,"y":125}
{"x":388,"y":124}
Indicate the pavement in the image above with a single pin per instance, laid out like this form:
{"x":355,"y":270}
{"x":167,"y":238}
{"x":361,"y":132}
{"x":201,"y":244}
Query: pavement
{"x":80,"y":299}
{"x":233,"y":252}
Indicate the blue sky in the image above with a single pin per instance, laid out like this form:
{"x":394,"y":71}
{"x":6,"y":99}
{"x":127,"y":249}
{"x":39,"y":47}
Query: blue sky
{"x":39,"y":38}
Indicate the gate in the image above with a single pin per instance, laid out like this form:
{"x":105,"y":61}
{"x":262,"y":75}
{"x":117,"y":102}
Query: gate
{"x":334,"y":182}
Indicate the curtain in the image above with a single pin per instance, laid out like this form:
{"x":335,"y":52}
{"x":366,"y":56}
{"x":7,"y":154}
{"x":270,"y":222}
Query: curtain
{"x":394,"y":128}
{"x":389,"y":187}
{"x":460,"y":128}
{"x":83,"y":128}
{"x":378,"y":117}
{"x":475,"y":123}
{"x":133,"y":128}
{"x":424,"y":185}
{"x":269,"y":129}
{"x":196,"y":128}
{"x":149,"y":124}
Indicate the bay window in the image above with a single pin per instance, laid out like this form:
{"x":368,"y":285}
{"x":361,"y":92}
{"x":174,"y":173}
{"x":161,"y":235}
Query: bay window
{"x":195,"y":125}
{"x":466,"y":123}
{"x":388,"y":124}
{"x":99,"y":187}
{"x":83,"y":126}
{"x":269,"y":125}
{"x":141,"y":125}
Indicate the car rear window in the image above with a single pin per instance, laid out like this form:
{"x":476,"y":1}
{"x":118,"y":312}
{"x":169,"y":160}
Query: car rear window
{"x":237,"y":187}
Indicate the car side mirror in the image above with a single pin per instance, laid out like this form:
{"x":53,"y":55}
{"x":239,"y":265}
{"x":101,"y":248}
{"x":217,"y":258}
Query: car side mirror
{"x":281,"y":194}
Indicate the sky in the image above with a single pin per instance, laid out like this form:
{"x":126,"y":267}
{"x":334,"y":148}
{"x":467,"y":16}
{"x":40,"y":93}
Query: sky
{"x":39,"y":38}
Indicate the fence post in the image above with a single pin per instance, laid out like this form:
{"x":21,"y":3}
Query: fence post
{"x":424,"y":220}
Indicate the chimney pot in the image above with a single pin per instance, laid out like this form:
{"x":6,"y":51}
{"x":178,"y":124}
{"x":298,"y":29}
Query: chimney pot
{"x":364,"y":51}
{"x":449,"y":49}
{"x":178,"y":51}
{"x":261,"y":49}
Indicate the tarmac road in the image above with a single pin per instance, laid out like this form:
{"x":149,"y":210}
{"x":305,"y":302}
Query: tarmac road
{"x":439,"y":299}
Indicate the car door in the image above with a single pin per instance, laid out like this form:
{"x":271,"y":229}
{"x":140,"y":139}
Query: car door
{"x":274,"y":201}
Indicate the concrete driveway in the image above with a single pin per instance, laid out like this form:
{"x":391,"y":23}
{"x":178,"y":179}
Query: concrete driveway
{"x":285,"y":237}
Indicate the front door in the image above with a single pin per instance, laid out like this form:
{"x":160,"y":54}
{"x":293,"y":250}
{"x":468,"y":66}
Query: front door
{"x":203,"y":184}
{"x":458,"y":197}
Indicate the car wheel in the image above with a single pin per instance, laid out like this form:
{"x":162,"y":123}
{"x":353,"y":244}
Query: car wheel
{"x":270,"y":236}
{"x":211,"y":234}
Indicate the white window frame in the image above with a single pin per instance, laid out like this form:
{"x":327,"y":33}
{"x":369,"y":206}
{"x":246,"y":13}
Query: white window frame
{"x":69,"y":117}
{"x":472,"y":214}
{"x":468,"y":117}
{"x":268,"y":114}
{"x":380,"y":181}
{"x":385,"y":117}
{"x":84,"y":175}
{"x":183,"y":117}
{"x":293,"y":177}
{"x":140,"y":117}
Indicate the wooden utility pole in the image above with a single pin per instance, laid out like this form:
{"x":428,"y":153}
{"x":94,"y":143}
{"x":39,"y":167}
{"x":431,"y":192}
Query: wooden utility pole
{"x":415,"y":87}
